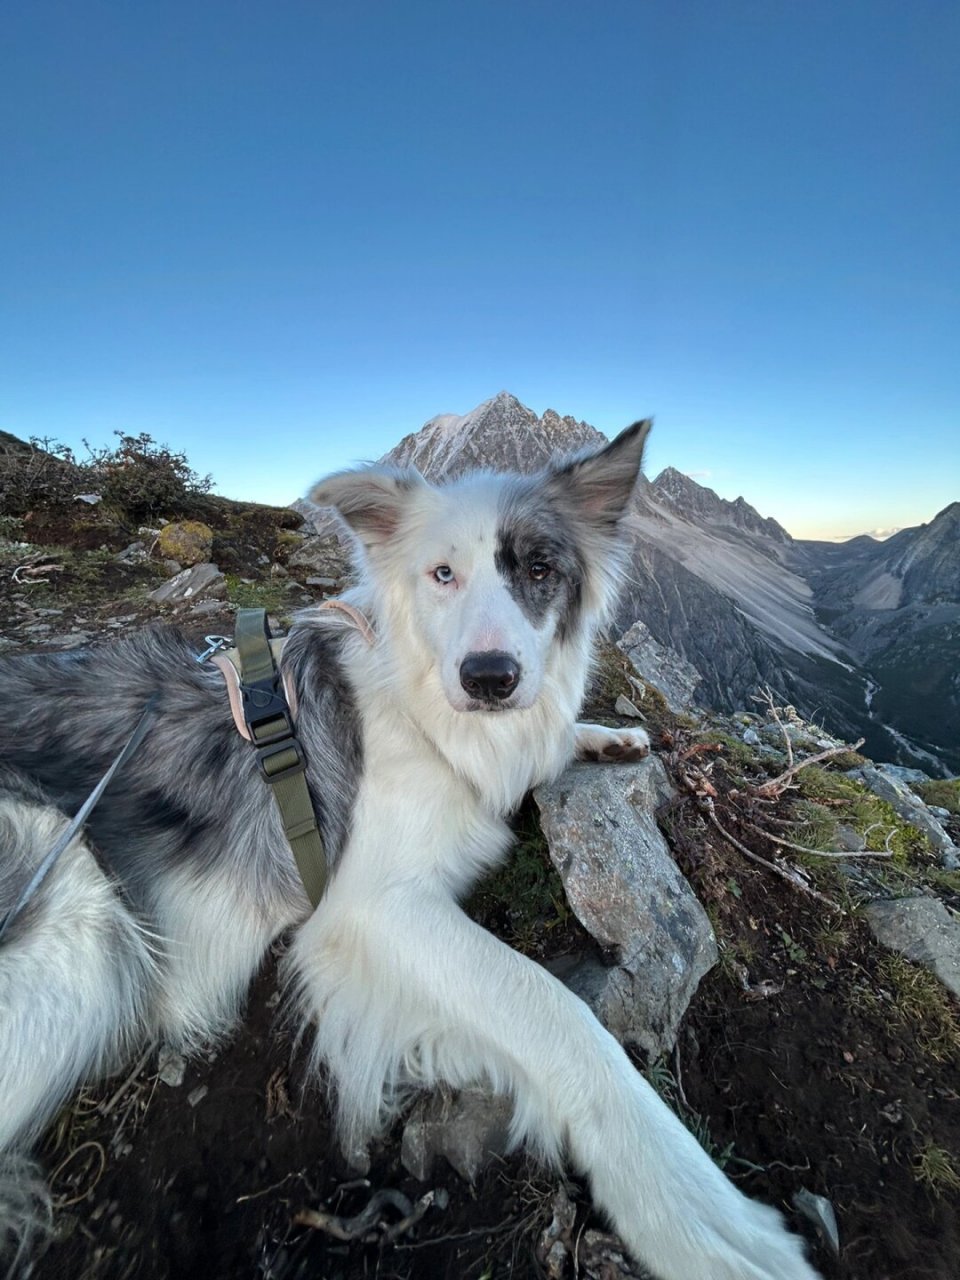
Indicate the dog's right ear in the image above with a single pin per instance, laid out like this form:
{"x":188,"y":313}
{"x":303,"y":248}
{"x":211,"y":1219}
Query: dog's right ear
{"x":370,"y":500}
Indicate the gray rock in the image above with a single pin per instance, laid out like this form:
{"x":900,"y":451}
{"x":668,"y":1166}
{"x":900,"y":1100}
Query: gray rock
{"x":626,"y":890}
{"x":938,"y":811}
{"x":624,"y":707}
{"x":320,"y":557}
{"x":751,"y":737}
{"x":468,"y":1129}
{"x":199,"y":582}
{"x":676,"y":679}
{"x":171,"y":1067}
{"x":907,"y":804}
{"x":135,"y":553}
{"x":206,"y":607}
{"x":923,"y":930}
{"x":903,"y":774}
{"x":849,"y":839}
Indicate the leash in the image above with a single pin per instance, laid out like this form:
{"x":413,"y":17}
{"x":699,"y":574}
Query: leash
{"x":264,"y":707}
{"x":269,"y":723}
{"x":48,"y":863}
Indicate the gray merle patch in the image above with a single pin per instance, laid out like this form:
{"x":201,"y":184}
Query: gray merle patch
{"x":531,"y":532}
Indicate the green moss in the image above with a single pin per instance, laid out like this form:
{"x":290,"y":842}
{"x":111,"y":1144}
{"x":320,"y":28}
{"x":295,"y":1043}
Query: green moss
{"x":738,"y":753}
{"x":943,"y":792}
{"x":851,"y":802}
{"x":523,"y":902}
{"x":272,"y":595}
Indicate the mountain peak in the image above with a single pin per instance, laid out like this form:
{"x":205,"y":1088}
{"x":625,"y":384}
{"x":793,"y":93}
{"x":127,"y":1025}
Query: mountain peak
{"x":699,"y":505}
{"x":500,"y":434}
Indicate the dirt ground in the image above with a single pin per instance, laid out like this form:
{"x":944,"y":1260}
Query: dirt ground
{"x":822,"y":1085}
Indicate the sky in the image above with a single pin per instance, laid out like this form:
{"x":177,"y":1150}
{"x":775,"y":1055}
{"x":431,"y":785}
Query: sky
{"x":279,"y":236}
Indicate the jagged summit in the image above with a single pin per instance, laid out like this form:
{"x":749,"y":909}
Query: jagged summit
{"x":697,"y":503}
{"x":501,"y":434}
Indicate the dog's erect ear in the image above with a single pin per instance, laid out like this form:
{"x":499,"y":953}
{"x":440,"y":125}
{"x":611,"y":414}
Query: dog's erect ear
{"x":370,"y":500}
{"x":600,"y":486}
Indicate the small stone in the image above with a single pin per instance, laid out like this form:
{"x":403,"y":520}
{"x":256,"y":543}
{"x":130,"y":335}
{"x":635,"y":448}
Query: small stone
{"x":849,"y":839}
{"x":197,"y":1095}
{"x":468,"y":1129}
{"x":751,"y":737}
{"x":171,"y":1066}
{"x":624,"y":707}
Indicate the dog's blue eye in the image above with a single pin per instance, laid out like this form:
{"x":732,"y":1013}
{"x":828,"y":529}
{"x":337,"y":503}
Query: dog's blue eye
{"x":538,"y":571}
{"x":443,"y":573}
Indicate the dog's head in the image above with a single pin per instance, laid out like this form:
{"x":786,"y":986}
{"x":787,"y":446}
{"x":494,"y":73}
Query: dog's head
{"x":487,"y":575}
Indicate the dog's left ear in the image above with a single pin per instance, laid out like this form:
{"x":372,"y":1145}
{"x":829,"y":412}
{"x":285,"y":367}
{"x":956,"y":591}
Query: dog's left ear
{"x":371,"y":500}
{"x":600,"y":485}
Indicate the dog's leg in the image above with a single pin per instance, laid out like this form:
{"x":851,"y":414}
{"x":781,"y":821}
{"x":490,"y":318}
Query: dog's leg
{"x":75,"y":974}
{"x":406,"y":986}
{"x":597,"y":742}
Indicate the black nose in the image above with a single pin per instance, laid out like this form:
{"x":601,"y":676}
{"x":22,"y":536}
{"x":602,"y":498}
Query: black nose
{"x":491,"y":676}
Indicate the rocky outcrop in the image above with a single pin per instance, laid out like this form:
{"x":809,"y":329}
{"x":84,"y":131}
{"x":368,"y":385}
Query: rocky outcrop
{"x":626,"y":890}
{"x":662,"y":666}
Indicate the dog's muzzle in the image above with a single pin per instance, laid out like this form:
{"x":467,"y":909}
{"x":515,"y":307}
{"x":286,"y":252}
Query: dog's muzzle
{"x":489,"y":677}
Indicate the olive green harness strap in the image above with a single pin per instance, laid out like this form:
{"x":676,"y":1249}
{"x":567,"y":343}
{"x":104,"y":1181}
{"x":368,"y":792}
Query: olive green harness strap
{"x":280,"y":755}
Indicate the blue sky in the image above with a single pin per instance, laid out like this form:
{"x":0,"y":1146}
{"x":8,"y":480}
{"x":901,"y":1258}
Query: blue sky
{"x":281,"y":235}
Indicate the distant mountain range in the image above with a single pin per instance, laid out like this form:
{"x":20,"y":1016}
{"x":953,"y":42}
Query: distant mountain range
{"x":864,"y":635}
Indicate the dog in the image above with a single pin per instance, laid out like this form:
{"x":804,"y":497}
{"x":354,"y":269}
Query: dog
{"x":423,"y":730}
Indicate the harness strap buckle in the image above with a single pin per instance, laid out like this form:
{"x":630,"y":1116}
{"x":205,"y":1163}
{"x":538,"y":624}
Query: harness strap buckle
{"x":281,"y":759}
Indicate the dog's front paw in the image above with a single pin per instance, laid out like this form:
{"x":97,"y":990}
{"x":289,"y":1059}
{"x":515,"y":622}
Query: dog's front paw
{"x":596,"y":742}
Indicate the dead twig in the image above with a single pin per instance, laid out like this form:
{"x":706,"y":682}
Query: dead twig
{"x":370,"y":1217}
{"x":106,"y":1107}
{"x":778,"y":783}
{"x":785,"y":873}
{"x":766,"y":697}
{"x":61,"y":1203}
{"x":819,"y":853}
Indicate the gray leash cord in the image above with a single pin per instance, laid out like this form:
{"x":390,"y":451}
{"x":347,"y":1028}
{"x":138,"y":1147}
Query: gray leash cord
{"x":47,"y":865}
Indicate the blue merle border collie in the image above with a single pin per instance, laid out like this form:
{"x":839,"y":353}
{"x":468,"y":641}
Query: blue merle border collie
{"x":422,"y":734}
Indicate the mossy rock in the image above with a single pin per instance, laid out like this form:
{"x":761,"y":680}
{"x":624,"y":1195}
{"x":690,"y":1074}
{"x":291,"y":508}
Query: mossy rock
{"x":188,"y":542}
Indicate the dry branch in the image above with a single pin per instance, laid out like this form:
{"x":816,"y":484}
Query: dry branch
{"x":774,"y":784}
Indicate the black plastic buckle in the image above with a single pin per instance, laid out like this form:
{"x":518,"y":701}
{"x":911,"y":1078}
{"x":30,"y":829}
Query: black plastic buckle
{"x":274,"y":748}
{"x":263,"y":700}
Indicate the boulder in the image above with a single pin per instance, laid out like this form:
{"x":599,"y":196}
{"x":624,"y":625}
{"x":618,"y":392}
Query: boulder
{"x":923,"y":930}
{"x":627,"y":892}
{"x":201,"y":582}
{"x":187,"y":541}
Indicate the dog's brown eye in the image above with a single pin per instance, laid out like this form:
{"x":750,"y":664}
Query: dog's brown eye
{"x":443,"y":573}
{"x":538,"y":571}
